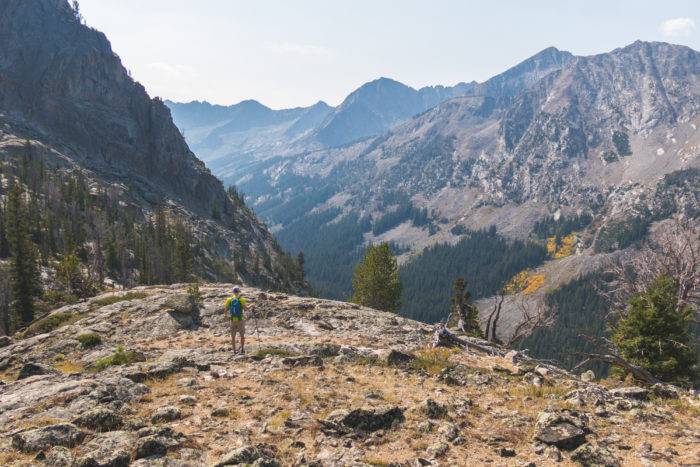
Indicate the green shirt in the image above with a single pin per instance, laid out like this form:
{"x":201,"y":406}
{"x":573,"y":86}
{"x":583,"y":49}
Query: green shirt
{"x":227,"y":306}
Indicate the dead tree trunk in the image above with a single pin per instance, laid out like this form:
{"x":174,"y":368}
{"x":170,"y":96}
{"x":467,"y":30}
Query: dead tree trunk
{"x":637,"y":371}
{"x":442,"y":337}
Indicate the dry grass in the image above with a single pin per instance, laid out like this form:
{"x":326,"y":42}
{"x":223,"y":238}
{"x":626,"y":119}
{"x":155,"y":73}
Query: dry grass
{"x":540,"y":392}
{"x":112,"y":299}
{"x":38,"y":422}
{"x":433,"y":360}
{"x":8,"y":376}
{"x":69,"y":367}
{"x":684,"y":407}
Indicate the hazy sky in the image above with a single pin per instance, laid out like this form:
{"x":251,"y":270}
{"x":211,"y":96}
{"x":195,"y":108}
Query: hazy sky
{"x":287,"y":53}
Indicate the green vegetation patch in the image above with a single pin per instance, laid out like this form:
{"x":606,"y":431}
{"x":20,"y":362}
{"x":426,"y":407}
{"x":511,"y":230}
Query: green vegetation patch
{"x":112,"y":299}
{"x":89,"y":339}
{"x":119,"y":357}
{"x":50,"y":322}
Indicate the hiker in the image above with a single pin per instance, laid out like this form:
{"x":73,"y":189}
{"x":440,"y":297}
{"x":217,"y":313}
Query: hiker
{"x":235,"y":305}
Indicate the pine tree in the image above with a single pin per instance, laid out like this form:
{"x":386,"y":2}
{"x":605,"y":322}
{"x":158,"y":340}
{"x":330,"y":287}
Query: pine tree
{"x":183,"y":258}
{"x":467,"y":313}
{"x":4,"y":244}
{"x":376,"y":281}
{"x":300,"y":265}
{"x":24,"y":271}
{"x":655,"y":333}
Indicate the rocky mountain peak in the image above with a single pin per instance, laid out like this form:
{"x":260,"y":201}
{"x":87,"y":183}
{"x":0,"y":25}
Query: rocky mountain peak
{"x":64,"y":90}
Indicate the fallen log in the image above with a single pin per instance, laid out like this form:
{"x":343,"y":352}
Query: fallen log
{"x":637,"y":371}
{"x":442,"y":337}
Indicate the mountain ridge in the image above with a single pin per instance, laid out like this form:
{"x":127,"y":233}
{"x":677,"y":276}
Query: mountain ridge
{"x":63,"y":89}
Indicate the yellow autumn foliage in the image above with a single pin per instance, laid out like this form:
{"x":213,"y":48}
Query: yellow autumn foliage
{"x":524,"y":282}
{"x":566,"y":248}
{"x":534,"y":283}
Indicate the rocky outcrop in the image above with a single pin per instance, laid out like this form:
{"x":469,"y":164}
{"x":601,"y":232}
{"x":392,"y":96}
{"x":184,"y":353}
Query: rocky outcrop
{"x":307,"y":393}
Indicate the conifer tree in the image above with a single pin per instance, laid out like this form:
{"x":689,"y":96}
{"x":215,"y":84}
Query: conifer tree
{"x":4,"y":244}
{"x":376,"y":281}
{"x":467,"y":313}
{"x":24,"y":271}
{"x":300,"y":265}
{"x":655,"y":332}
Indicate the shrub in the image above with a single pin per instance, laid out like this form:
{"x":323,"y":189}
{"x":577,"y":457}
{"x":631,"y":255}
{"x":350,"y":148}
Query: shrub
{"x":119,"y":357}
{"x":112,"y":299}
{"x":89,"y":339}
{"x":432,"y":361}
{"x":50,"y":322}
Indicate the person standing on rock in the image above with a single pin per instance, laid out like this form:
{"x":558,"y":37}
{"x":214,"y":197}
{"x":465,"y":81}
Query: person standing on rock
{"x":235,"y":305}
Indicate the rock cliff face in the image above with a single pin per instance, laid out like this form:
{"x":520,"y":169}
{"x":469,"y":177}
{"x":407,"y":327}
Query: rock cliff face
{"x":149,"y":378}
{"x":63,"y":89}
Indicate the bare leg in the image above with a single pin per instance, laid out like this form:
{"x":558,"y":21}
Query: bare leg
{"x":233,"y":336}
{"x":241,"y":327}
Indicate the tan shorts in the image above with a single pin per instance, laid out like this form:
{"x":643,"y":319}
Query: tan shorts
{"x":237,"y":327}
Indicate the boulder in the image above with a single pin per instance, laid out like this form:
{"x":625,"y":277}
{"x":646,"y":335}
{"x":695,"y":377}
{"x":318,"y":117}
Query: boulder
{"x":665,"y":391}
{"x":99,"y":419}
{"x":632,"y":392}
{"x":183,"y":304}
{"x":438,"y":449}
{"x":588,"y":376}
{"x":594,"y":456}
{"x":33,"y":369}
{"x":564,"y":429}
{"x":187,"y":400}
{"x":434,"y":409}
{"x":40,"y":439}
{"x":167,"y":413}
{"x":59,"y":456}
{"x":260,"y":455}
{"x":5,"y":341}
{"x":150,"y":446}
{"x":367,"y":420}
{"x":242,"y":455}
{"x":398,"y":359}
{"x":111,"y":449}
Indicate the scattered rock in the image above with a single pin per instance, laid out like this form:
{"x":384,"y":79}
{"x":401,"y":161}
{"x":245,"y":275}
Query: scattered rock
{"x":168,"y":413}
{"x":397,"y":359}
{"x":111,"y":449}
{"x":369,"y":420}
{"x":33,"y":369}
{"x":5,"y":341}
{"x":588,"y":376}
{"x":438,"y":449}
{"x":564,"y":429}
{"x":39,"y":439}
{"x":449,"y":431}
{"x":553,"y":453}
{"x":150,"y":446}
{"x":261,"y":455}
{"x":434,"y":409}
{"x":59,"y":456}
{"x":665,"y":391}
{"x":220,"y":412}
{"x":99,"y":419}
{"x":594,"y":456}
{"x":506,"y":452}
{"x":188,"y":400}
{"x":632,"y":392}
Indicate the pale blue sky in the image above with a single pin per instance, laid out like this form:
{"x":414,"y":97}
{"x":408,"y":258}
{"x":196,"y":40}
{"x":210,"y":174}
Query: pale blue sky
{"x":287,"y":53}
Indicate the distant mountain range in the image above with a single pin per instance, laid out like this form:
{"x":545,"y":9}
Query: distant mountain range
{"x":603,"y":148}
